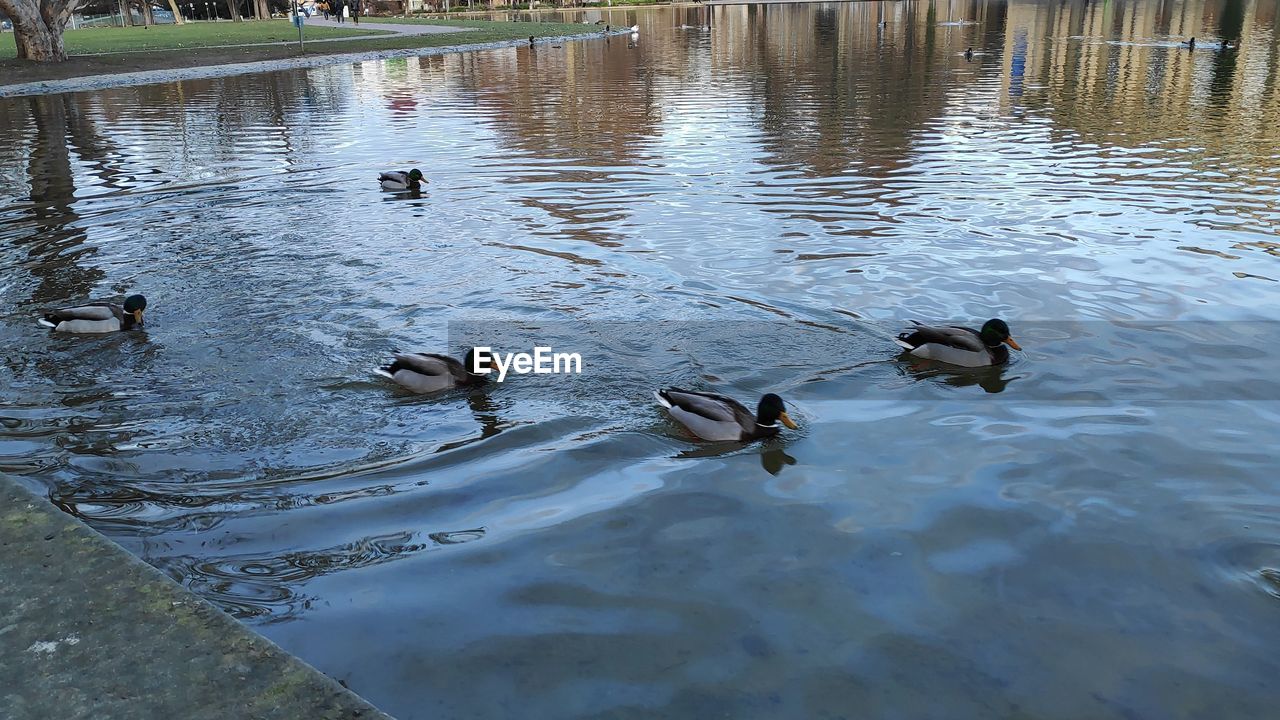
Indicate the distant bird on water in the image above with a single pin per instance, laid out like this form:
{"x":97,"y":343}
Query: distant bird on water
{"x":398,"y":180}
{"x":1191,"y":44}
{"x":968,"y":54}
{"x":97,"y":317}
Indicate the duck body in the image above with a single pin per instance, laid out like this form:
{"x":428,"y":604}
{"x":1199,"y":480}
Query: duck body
{"x":398,"y":180}
{"x":957,"y":345}
{"x":720,"y":418}
{"x":97,"y":317}
{"x":429,"y":373}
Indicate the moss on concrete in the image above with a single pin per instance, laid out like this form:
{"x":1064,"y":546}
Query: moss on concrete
{"x":89,"y":631}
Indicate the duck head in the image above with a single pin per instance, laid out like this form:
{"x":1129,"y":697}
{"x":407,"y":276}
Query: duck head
{"x":771,"y":410}
{"x":415,"y":177}
{"x":134,"y":305}
{"x":477,"y":371}
{"x":996,"y":331}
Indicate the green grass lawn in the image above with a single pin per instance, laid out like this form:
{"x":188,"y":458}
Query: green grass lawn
{"x":212,"y":35}
{"x":487,"y":27}
{"x":177,"y":37}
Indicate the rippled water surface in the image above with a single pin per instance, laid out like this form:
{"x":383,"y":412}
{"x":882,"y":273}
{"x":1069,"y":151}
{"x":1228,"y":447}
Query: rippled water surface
{"x":1091,"y":532}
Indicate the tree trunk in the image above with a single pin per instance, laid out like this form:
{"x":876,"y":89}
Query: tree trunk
{"x":37,"y":27}
{"x":264,"y":10}
{"x":126,"y":14}
{"x":234,"y":7}
{"x":147,"y":17}
{"x":177,"y":14}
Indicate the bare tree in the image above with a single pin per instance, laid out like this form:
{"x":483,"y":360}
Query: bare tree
{"x":234,"y":7}
{"x":38,"y":26}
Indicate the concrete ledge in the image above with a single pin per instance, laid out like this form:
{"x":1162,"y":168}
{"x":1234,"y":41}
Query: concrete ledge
{"x":148,"y":77}
{"x":89,"y":631}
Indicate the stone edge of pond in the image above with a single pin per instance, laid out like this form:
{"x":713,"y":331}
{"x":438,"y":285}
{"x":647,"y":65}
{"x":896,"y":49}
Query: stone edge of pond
{"x":149,"y":77}
{"x":88,"y":630}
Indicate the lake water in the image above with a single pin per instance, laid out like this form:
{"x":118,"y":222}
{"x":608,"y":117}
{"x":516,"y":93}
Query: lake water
{"x":1090,"y":532}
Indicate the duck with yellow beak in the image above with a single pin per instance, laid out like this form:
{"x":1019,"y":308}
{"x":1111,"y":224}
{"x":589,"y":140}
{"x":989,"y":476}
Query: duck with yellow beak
{"x":97,"y":317}
{"x":956,"y":345}
{"x":719,"y":418}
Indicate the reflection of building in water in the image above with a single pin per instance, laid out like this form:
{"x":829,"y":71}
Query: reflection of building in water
{"x":847,"y":85}
{"x":1099,"y":67}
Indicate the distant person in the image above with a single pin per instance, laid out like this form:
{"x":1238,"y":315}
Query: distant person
{"x":355,"y":11}
{"x":340,"y":10}
{"x":323,"y":7}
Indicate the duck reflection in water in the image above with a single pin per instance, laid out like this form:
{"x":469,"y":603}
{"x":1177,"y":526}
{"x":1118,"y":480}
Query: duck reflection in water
{"x":992,"y":378}
{"x":485,"y":411}
{"x":772,"y":457}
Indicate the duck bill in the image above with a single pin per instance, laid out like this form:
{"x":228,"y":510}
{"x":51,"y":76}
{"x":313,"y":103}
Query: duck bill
{"x":786,"y":420}
{"x":137,"y":316}
{"x":1012,"y":344}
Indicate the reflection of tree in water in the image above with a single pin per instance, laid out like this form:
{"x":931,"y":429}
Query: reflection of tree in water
{"x":56,"y":238}
{"x":1230,"y":25}
{"x":824,"y":110}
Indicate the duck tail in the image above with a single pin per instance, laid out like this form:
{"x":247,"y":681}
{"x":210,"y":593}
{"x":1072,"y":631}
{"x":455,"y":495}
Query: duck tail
{"x":661,"y":398}
{"x":902,"y":341}
{"x":46,"y":322}
{"x":385,"y":372}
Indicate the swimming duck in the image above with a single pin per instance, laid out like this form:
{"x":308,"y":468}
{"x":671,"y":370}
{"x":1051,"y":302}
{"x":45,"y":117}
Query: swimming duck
{"x":428,"y":372}
{"x":1191,"y":44}
{"x":961,"y":346}
{"x":397,"y":180}
{"x":716,"y":417}
{"x":968,"y":54}
{"x":97,"y":317}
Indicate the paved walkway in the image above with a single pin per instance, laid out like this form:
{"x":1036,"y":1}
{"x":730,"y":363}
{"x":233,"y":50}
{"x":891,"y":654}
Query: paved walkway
{"x":89,"y":631}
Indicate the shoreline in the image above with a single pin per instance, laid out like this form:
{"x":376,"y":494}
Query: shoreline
{"x":93,"y":631}
{"x":102,"y":80}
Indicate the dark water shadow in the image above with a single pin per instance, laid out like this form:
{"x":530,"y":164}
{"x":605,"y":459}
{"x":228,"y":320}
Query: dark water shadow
{"x":992,"y":379}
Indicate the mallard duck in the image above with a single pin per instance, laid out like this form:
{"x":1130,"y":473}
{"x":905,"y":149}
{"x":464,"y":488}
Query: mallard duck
{"x":398,"y":180}
{"x":97,"y":317}
{"x":968,"y":53}
{"x":961,"y":346}
{"x":428,"y":372}
{"x":716,"y":417}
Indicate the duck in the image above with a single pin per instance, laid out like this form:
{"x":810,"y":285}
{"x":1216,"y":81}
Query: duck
{"x":635,"y":29}
{"x":720,"y":418}
{"x":968,"y":54}
{"x":428,"y":372}
{"x":399,"y":180}
{"x":1191,"y":44}
{"x":962,"y":346}
{"x":97,"y":317}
